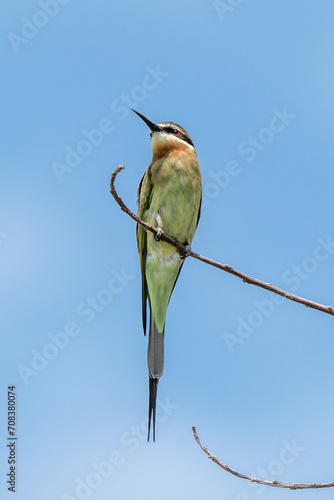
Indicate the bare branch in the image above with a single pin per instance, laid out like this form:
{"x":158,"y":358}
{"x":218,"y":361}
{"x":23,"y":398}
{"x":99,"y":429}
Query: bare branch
{"x":224,"y":267}
{"x":278,"y":484}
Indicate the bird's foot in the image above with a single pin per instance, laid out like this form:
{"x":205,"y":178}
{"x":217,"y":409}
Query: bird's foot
{"x":186,"y":253}
{"x":159,"y":233}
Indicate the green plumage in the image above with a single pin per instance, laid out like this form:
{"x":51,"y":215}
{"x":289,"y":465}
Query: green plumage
{"x":169,"y":197}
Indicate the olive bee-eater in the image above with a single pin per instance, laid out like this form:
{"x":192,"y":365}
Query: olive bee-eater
{"x":169,"y":199}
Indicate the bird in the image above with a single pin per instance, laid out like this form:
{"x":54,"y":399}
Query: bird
{"x":169,"y":199}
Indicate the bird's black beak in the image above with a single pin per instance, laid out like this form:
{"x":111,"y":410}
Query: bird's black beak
{"x":152,"y":126}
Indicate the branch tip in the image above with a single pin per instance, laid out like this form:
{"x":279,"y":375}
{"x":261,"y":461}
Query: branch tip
{"x":275,"y":483}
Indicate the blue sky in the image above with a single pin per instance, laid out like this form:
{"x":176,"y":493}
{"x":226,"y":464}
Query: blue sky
{"x":252,"y":83}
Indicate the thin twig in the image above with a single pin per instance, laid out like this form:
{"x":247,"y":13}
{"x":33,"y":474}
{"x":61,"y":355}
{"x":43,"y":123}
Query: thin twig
{"x":278,"y":484}
{"x":224,"y":267}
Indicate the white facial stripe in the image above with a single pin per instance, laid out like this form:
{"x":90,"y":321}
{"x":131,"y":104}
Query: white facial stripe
{"x":160,"y":138}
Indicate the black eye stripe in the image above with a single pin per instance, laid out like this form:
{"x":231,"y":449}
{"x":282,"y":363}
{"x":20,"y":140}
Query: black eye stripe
{"x":187,"y":139}
{"x":171,"y":130}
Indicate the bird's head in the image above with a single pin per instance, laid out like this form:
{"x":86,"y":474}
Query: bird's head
{"x":167,"y":136}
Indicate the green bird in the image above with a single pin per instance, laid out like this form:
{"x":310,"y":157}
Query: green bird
{"x":169,"y":199}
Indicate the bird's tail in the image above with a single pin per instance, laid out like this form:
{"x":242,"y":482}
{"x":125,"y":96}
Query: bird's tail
{"x":153,"y":382}
{"x":155,"y":361}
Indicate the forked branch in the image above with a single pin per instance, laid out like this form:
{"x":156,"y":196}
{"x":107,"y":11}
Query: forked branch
{"x":224,"y":267}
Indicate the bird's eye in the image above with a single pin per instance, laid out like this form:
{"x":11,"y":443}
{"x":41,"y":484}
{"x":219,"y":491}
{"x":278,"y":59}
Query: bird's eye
{"x":176,"y":132}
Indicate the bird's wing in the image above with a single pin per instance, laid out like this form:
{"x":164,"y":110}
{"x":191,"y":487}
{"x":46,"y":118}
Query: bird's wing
{"x":144,"y":197}
{"x":199,"y":211}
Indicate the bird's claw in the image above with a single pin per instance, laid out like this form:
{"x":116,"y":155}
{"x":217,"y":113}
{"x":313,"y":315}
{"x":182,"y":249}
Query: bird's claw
{"x":158,"y":234}
{"x":187,"y":252}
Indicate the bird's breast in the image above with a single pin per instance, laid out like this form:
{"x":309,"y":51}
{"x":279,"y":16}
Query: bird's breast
{"x":176,"y":196}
